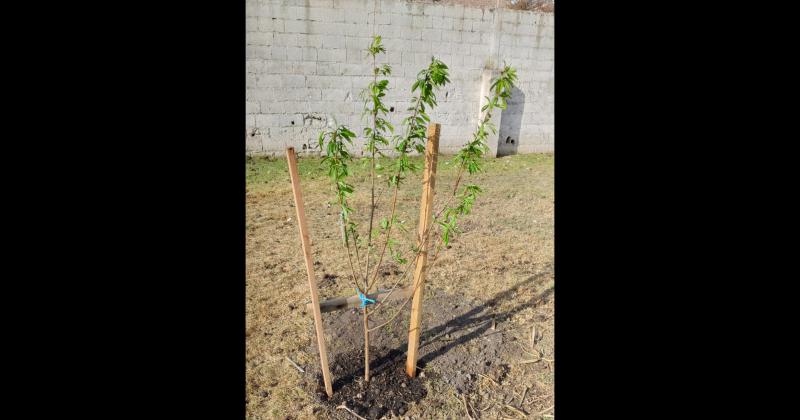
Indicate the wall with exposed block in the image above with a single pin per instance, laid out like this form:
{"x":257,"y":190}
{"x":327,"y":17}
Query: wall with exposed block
{"x":306,"y":64}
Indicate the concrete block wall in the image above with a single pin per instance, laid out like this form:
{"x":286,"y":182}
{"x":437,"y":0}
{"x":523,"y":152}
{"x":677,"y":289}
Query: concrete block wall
{"x":306,"y":64}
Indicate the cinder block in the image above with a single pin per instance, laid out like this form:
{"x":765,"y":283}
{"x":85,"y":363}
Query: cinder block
{"x":408,"y":58}
{"x":334,"y":94}
{"x":298,"y":13}
{"x":335,"y":55}
{"x":527,"y":18}
{"x":389,"y":31}
{"x":546,"y":66}
{"x":422,"y":59}
{"x":297,"y":26}
{"x":306,"y":94}
{"x":251,"y":24}
{"x":272,"y":106}
{"x":356,"y":56}
{"x":294,"y":53}
{"x":417,"y":9}
{"x":277,"y":53}
{"x":325,"y":14}
{"x":270,"y":120}
{"x":454,"y":11}
{"x":353,"y":4}
{"x":422,"y":46}
{"x":447,"y":23}
{"x":432,"y":35}
{"x":401,"y":19}
{"x":394,"y":57}
{"x":253,"y":143}
{"x":251,"y":80}
{"x":383,"y":18}
{"x":328,"y":68}
{"x":309,"y":40}
{"x":355,"y":69}
{"x":471,"y":37}
{"x":267,"y":24}
{"x":309,"y":54}
{"x":456,"y":61}
{"x":394,"y":44}
{"x":328,"y":82}
{"x":257,"y":51}
{"x":356,"y":42}
{"x":307,"y":68}
{"x":451,"y":36}
{"x":268,"y":81}
{"x":509,"y":16}
{"x":434,"y":10}
{"x":357,"y":16}
{"x":479,"y":50}
{"x":285,"y":40}
{"x":439,"y":48}
{"x":483,"y":26}
{"x":324,"y":4}
{"x":255,"y":94}
{"x":253,"y":10}
{"x":333,"y":41}
{"x":255,"y":65}
{"x":411,"y":33}
{"x":473,"y":13}
{"x":524,"y":29}
{"x":421,"y":22}
{"x":357,"y":30}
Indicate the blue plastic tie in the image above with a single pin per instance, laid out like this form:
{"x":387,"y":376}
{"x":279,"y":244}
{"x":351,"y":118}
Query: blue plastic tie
{"x":364,"y":300}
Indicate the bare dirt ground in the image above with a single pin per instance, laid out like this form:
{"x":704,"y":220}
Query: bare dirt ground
{"x":487,"y":343}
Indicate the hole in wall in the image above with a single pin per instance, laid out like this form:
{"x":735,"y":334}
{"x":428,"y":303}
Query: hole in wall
{"x":508,"y":139}
{"x":391,"y":109}
{"x":305,"y":146}
{"x":292,"y":122}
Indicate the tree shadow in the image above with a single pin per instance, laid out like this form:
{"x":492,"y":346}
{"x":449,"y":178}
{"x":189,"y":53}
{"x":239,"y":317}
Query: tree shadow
{"x":480,"y":316}
{"x":511,"y":124}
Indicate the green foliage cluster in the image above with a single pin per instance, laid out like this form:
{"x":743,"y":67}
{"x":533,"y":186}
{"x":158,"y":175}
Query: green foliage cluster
{"x":381,"y":134}
{"x":469,"y":157}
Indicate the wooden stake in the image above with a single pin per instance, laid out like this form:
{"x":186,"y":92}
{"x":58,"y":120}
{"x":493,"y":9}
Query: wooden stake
{"x":425,"y":215}
{"x":312,"y":282}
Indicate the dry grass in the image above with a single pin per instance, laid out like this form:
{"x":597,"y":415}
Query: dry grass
{"x":507,"y":240}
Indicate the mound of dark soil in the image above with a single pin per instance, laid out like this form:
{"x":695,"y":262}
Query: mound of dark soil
{"x":388,"y":392}
{"x":458,"y":342}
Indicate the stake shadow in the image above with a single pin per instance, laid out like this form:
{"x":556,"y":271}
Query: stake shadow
{"x":481,"y":316}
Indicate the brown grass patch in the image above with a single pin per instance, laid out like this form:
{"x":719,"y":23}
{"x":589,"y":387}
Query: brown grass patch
{"x":504,"y":255}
